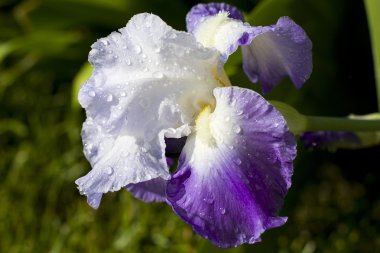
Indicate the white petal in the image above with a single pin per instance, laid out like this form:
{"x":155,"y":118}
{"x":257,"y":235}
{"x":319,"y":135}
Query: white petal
{"x":149,"y":83}
{"x":221,"y":32}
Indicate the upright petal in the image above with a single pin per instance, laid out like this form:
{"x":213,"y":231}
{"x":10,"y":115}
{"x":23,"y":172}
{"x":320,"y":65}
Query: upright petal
{"x":200,"y":12}
{"x":235,"y":170}
{"x":274,"y":52}
{"x":218,"y":25}
{"x":141,"y":91}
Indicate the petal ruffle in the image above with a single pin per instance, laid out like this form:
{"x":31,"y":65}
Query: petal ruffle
{"x":235,"y":170}
{"x":283,"y":49}
{"x":141,"y":92}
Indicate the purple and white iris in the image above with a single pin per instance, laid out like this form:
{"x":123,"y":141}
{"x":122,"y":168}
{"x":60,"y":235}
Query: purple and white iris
{"x":153,"y":86}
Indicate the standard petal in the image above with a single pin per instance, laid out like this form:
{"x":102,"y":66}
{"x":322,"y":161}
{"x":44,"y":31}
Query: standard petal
{"x":142,"y":91}
{"x":283,"y":49}
{"x":235,"y":170}
{"x":200,"y":12}
{"x":220,"y":26}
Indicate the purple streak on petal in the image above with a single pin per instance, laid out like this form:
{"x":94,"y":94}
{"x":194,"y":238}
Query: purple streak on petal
{"x":239,"y":191}
{"x":330,"y":139}
{"x":199,"y":12}
{"x":283,"y":49}
{"x":149,"y":191}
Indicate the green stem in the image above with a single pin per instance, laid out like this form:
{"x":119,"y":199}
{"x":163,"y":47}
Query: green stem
{"x":373,"y":15}
{"x":340,"y":124}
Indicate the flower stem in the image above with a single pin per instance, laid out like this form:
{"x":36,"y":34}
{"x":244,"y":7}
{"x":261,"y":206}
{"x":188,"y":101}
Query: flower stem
{"x":373,"y":16}
{"x":314,"y":123}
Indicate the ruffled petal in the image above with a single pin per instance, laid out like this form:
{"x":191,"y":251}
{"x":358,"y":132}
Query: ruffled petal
{"x":235,"y":170}
{"x":283,"y":49}
{"x":141,"y":92}
{"x":200,"y":12}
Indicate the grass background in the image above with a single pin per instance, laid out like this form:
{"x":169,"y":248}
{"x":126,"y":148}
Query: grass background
{"x":333,"y":205}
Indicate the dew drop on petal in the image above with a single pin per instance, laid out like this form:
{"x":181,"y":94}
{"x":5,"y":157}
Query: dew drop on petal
{"x":237,"y":161}
{"x":227,"y":119}
{"x":128,"y":62}
{"x":109,"y":98}
{"x":109,"y":170}
{"x":92,"y":93}
{"x":123,"y":94}
{"x":105,"y":42}
{"x":222,"y":210}
{"x":237,"y":129}
{"x":137,"y":49}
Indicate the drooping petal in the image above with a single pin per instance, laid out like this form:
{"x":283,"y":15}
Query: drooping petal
{"x":235,"y":170}
{"x":330,"y":139}
{"x":141,"y":92}
{"x":149,"y":191}
{"x":283,"y":49}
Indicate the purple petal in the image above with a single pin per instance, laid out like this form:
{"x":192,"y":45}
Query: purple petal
{"x":330,"y":139}
{"x":149,"y":191}
{"x":277,"y":51}
{"x":231,"y":187}
{"x":199,"y":12}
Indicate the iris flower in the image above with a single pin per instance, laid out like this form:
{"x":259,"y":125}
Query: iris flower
{"x":155,"y":89}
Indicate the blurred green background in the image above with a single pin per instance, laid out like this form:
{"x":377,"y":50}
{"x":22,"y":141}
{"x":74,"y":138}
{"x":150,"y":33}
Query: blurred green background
{"x":333,"y":205}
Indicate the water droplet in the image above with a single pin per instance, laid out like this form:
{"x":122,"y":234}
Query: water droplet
{"x":158,"y":74}
{"x":105,"y":42}
{"x":92,"y":93}
{"x":157,"y":50}
{"x":137,"y":49}
{"x":109,"y":170}
{"x":143,"y":56}
{"x":109,"y":98}
{"x":238,"y":161}
{"x":209,"y":200}
{"x":145,"y":69}
{"x":237,"y":129}
{"x":128,"y":62}
{"x":227,"y":119}
{"x":123,"y":94}
{"x":222,"y":210}
{"x":239,"y":112}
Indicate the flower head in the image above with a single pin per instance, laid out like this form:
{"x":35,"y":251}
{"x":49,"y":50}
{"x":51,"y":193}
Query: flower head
{"x":269,"y":52}
{"x":155,"y":90}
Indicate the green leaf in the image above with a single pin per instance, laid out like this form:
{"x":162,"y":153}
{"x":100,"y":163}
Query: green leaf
{"x":373,"y":15}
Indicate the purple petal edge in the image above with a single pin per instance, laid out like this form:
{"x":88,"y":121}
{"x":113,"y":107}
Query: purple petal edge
{"x":200,"y":11}
{"x":276,"y":51}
